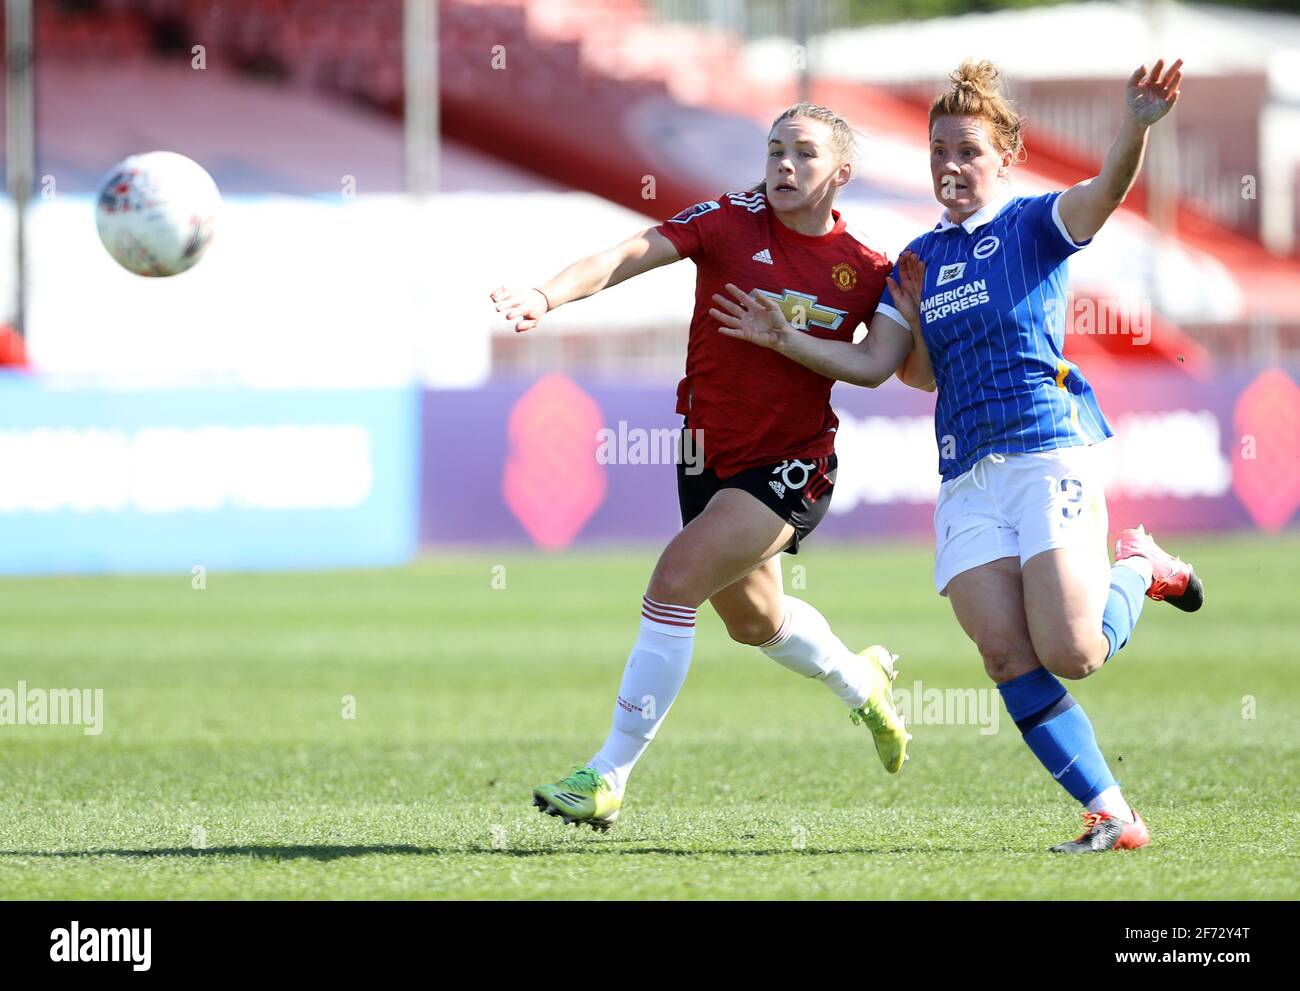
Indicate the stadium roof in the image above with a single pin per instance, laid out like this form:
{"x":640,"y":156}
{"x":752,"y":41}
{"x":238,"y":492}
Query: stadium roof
{"x":1097,"y":38}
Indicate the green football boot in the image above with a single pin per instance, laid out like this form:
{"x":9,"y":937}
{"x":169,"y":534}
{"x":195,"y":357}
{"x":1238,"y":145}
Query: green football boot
{"x":583,"y":798}
{"x":878,"y":711}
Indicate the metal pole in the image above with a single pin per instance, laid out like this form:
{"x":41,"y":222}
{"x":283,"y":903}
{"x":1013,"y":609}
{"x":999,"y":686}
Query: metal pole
{"x":20,"y":143}
{"x":420,"y":100}
{"x":801,"y":39}
{"x":1161,"y":163}
{"x":1162,"y":150}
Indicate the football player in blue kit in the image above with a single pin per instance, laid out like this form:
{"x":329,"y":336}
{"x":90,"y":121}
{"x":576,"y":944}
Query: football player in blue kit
{"x":1021,"y":520}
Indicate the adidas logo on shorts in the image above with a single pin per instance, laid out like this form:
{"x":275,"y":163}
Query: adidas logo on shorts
{"x":778,"y":488}
{"x":764,"y":256}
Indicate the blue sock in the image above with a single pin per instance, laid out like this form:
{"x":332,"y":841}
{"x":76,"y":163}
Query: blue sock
{"x":1123,"y":607}
{"x":1057,"y":730}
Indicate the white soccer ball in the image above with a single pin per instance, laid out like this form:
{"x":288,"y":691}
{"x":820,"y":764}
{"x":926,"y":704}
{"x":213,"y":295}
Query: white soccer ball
{"x":156,"y":213}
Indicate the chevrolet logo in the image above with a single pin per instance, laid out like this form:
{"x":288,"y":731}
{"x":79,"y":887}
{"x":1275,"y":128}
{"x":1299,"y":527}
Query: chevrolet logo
{"x":802,"y":310}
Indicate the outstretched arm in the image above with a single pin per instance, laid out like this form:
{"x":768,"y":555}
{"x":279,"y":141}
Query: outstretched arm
{"x":1148,"y":97}
{"x":640,"y":253}
{"x":759,"y":320}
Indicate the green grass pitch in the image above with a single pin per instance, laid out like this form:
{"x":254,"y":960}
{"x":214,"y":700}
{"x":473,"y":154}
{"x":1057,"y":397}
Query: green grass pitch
{"x":226,"y":768}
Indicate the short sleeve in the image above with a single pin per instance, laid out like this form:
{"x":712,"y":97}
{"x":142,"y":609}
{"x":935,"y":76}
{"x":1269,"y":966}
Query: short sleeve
{"x":1042,"y":214}
{"x":886,"y":304}
{"x":693,"y":231}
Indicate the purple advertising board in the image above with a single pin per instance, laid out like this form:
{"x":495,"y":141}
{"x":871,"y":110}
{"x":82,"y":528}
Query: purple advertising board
{"x":554,"y":462}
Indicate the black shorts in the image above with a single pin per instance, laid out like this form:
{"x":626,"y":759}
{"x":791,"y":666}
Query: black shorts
{"x":797,"y":491}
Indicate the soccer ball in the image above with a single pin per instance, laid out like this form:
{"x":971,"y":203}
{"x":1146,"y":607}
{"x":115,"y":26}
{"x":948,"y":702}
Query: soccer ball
{"x":155,"y":213}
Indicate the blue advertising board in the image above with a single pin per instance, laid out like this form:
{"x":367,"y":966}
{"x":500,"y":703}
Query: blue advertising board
{"x":96,"y":479}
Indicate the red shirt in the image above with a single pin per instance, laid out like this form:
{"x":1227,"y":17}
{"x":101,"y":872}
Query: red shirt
{"x":755,"y":406}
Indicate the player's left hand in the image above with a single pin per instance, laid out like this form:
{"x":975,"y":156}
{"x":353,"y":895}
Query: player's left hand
{"x":1149,"y":96}
{"x":909,"y":287}
{"x":755,"y":318}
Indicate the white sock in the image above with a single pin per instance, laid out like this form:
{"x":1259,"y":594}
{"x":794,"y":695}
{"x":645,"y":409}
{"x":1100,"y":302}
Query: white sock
{"x":806,"y":645}
{"x":1139,"y":564}
{"x":652,"y":678}
{"x":1112,"y":801}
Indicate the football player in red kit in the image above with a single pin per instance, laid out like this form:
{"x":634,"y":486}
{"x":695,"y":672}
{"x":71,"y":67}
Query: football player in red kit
{"x":768,"y":436}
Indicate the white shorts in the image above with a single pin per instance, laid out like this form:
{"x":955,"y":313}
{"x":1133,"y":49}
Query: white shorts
{"x":1019,"y":505}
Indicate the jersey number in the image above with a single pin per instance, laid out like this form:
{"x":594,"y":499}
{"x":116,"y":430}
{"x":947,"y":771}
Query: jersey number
{"x":1073,"y":489}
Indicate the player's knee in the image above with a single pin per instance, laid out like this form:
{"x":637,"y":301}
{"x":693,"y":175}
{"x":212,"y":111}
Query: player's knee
{"x":674,"y":585}
{"x":1071,"y":657}
{"x":1004,"y":657}
{"x":752,"y":630}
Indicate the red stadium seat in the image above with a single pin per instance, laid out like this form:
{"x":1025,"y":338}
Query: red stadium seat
{"x":13,"y":350}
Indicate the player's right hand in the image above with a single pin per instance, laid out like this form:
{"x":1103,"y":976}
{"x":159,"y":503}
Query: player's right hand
{"x":755,"y":318}
{"x":522,"y":307}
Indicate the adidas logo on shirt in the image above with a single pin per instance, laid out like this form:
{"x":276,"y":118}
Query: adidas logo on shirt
{"x":765,"y":257}
{"x":778,"y":488}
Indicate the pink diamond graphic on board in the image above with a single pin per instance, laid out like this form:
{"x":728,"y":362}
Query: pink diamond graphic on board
{"x":552,"y":481}
{"x":1266,"y":464}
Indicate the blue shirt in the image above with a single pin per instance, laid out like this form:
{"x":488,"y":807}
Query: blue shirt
{"x":993,"y":311}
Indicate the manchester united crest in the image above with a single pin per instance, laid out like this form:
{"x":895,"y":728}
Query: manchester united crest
{"x":845,"y":276}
